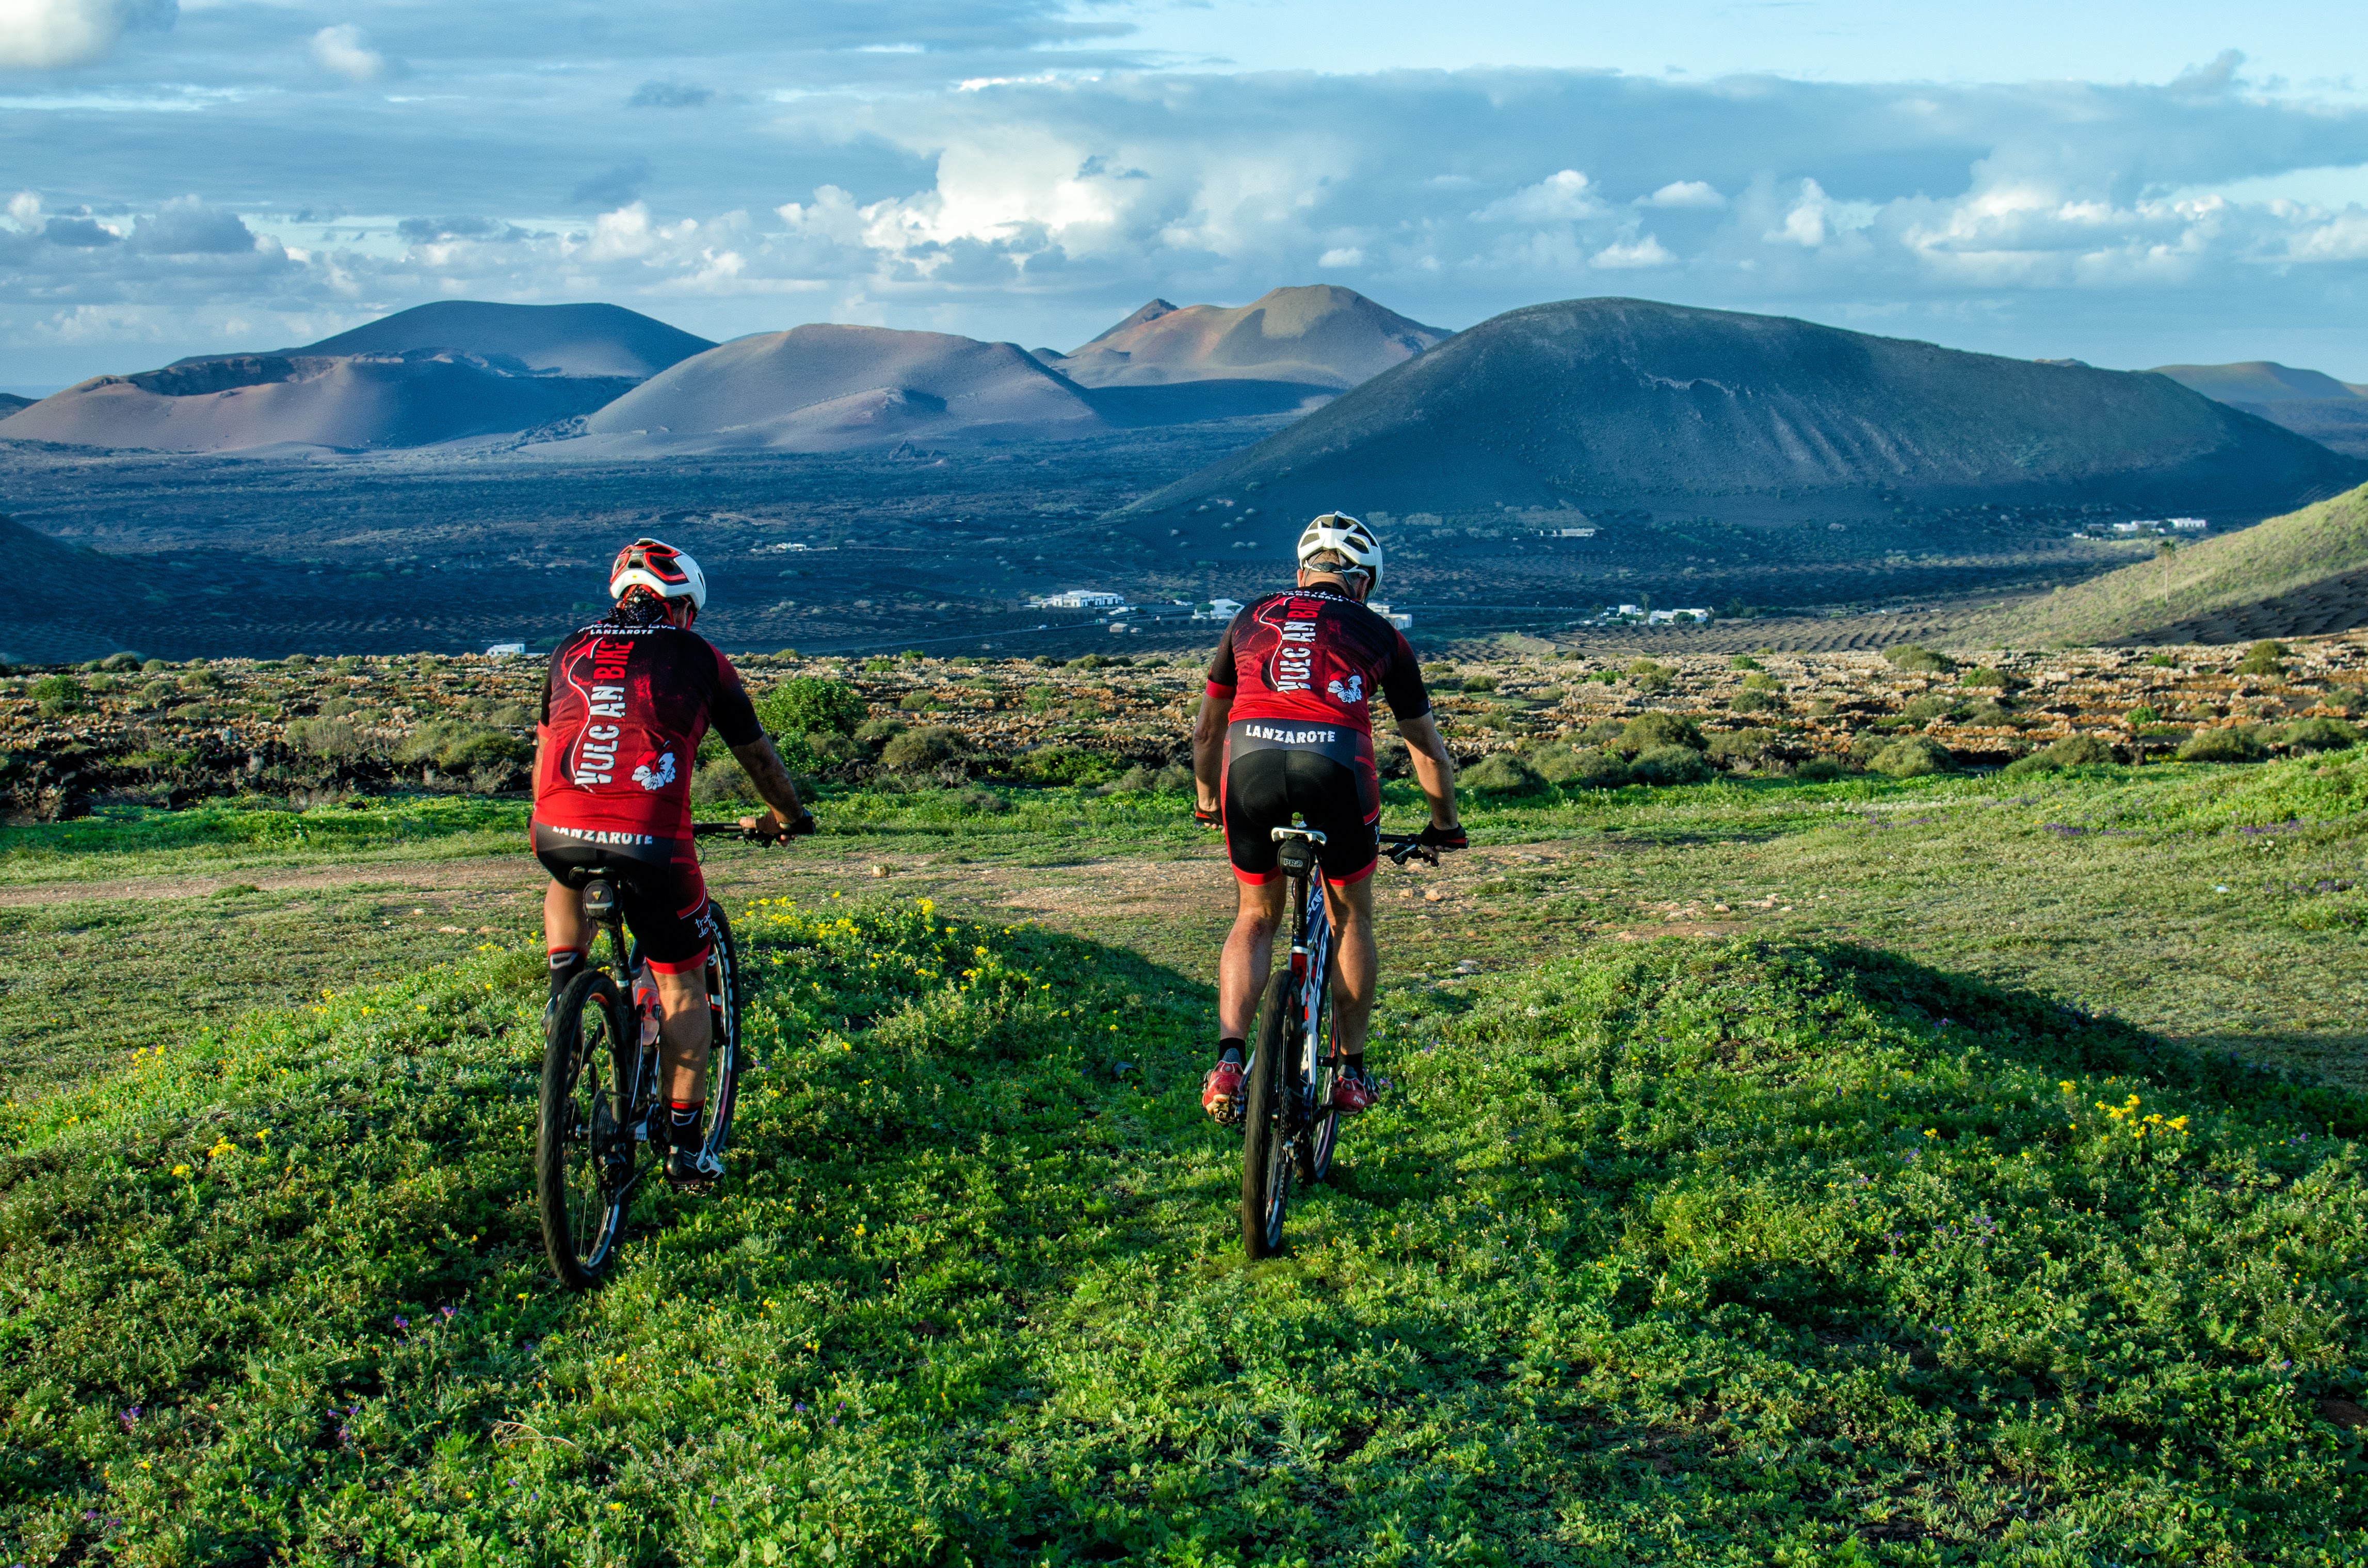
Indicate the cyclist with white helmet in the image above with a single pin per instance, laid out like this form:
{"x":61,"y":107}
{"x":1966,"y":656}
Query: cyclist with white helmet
{"x":625,"y":702}
{"x":1286,"y":727}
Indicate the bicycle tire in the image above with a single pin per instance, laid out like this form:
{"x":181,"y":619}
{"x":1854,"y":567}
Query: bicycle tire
{"x":1266,"y":1132}
{"x":584,"y":1155}
{"x":1323,"y":1135}
{"x":723,"y":1064}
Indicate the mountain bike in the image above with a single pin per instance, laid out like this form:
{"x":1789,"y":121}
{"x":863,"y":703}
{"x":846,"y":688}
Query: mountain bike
{"x":1289,"y":1128}
{"x":601,"y":1080}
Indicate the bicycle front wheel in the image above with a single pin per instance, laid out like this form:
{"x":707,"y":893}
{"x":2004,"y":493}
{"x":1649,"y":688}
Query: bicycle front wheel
{"x":584,"y":1153}
{"x":1266,"y":1123}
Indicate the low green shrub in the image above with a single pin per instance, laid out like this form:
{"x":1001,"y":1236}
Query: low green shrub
{"x":1760,"y":681}
{"x":1751,"y":700}
{"x":916,"y":702}
{"x":153,"y":667}
{"x":1984,"y":676}
{"x":1088,"y":662}
{"x":56,"y":694}
{"x":2318,"y":734}
{"x":2229,"y":743}
{"x":1650,"y":676}
{"x":1646,"y":731}
{"x":1741,"y":748}
{"x":2071,"y":751}
{"x":2263,"y":658}
{"x":1057,"y":764}
{"x":1926,"y":708}
{"x":456,"y":745}
{"x":1742,"y":662}
{"x":119,"y":661}
{"x":724,"y":782}
{"x":1912,"y":756}
{"x":1502,"y":773}
{"x":878,"y":731}
{"x":1670,"y":764}
{"x":1990,"y":714}
{"x":984,"y":802}
{"x":1820,"y":770}
{"x":805,"y":704}
{"x":2143,"y":713}
{"x":920,"y":751}
{"x":1909,"y":657}
{"x":326,"y":737}
{"x":1480,"y":682}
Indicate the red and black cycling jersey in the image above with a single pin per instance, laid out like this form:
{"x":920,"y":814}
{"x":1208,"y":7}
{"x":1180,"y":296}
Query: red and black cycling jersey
{"x":623,"y":708}
{"x":1317,"y":656}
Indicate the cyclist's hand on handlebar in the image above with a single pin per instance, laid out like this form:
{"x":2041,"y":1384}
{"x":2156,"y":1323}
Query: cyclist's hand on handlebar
{"x":1208,"y":818}
{"x":1439,"y":837}
{"x":772,"y":828}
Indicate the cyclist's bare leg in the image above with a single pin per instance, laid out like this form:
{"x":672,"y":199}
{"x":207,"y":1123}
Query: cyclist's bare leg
{"x":563,"y":926}
{"x":1351,"y":909}
{"x":1248,"y":957}
{"x":683,"y":1036}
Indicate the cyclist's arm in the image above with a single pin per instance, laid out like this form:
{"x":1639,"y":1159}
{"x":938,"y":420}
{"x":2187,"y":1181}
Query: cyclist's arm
{"x":1433,"y":768}
{"x":1209,"y":748}
{"x":773,"y":781}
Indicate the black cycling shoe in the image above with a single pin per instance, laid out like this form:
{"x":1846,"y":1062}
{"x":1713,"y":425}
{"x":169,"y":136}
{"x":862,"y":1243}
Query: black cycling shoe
{"x":687,"y":1167}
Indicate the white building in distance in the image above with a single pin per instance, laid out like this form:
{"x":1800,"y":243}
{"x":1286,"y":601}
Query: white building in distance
{"x":1080,"y":598}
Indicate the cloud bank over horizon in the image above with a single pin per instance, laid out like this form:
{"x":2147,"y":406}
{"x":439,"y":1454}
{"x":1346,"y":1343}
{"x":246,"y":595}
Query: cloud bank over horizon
{"x":256,"y":176}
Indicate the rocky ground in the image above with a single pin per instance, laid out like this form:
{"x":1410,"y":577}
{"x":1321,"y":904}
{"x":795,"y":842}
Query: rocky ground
{"x":158,"y":733}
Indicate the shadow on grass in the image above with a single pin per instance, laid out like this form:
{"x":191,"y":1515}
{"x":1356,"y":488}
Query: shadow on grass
{"x":1684,"y":1253}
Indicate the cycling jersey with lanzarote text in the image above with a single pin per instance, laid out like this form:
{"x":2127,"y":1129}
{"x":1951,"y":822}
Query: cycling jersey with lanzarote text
{"x":623,"y":708}
{"x":1313,"y":657}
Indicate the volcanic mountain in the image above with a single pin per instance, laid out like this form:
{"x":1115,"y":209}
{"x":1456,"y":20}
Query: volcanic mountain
{"x":2309,"y":402}
{"x":827,"y":388}
{"x":1635,"y":407}
{"x":1315,"y":337}
{"x":544,"y":340}
{"x":439,"y":372}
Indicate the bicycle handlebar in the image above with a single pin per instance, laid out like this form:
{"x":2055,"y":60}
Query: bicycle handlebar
{"x":750,"y":834}
{"x":1401,"y":848}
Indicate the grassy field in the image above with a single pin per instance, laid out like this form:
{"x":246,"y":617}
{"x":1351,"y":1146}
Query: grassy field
{"x":1950,"y":1170}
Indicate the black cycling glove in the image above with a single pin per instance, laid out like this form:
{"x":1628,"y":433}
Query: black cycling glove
{"x":1208,"y":818}
{"x":799,"y":825}
{"x":1440,"y":837}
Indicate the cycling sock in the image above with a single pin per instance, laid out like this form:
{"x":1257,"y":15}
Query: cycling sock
{"x":565,"y":962}
{"x":1353,"y":1066}
{"x":683,"y":1114}
{"x":1230,"y":1050}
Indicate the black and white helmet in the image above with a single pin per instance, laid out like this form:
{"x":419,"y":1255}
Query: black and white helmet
{"x":1337,"y":533}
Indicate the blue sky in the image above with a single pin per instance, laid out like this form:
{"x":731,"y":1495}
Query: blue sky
{"x":2127,"y":183}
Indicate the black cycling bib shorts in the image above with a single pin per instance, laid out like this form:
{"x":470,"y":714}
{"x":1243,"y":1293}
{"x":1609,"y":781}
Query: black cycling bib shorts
{"x":1323,"y":772}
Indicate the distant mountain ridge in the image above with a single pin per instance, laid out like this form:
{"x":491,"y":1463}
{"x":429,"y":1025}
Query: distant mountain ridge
{"x":2309,"y":402}
{"x":1634,"y":405}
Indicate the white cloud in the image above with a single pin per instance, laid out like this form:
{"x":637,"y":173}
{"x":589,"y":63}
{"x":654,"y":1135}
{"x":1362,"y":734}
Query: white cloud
{"x":1561,"y":196}
{"x":345,"y":51}
{"x":51,"y":35}
{"x":1343,"y":255}
{"x":1687,"y":193}
{"x":1646,"y":252}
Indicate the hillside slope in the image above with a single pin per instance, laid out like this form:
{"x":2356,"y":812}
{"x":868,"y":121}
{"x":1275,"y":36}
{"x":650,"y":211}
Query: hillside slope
{"x":824,"y":388}
{"x":2309,"y":402}
{"x":1628,"y":404}
{"x":1321,"y":335}
{"x":351,"y":403}
{"x":567,"y":340}
{"x":2297,"y":575}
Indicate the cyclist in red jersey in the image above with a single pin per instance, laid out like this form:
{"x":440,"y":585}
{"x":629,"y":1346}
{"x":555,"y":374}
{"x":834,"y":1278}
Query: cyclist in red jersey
{"x":1286,"y":727}
{"x":625,"y":702}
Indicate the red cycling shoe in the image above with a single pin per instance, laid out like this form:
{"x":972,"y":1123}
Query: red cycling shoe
{"x":1220,"y":1093}
{"x":1354,"y":1091}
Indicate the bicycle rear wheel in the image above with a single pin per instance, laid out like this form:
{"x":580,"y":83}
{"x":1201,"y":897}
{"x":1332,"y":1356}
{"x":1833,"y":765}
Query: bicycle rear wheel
{"x":1266,"y":1123}
{"x":1324,"y":1126}
{"x":723,"y":1061}
{"x":584,"y":1153}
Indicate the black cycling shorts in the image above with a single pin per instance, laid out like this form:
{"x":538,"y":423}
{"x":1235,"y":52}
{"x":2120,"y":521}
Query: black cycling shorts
{"x":1274,"y":768}
{"x":660,"y":889}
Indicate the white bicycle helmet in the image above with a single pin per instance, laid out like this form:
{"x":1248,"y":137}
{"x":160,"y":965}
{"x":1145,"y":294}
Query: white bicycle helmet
{"x":1339,"y":533}
{"x":662,"y":568}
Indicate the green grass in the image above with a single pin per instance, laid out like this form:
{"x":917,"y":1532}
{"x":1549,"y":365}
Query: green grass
{"x":1694,"y":1253}
{"x":227,"y":836}
{"x":2282,"y":555}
